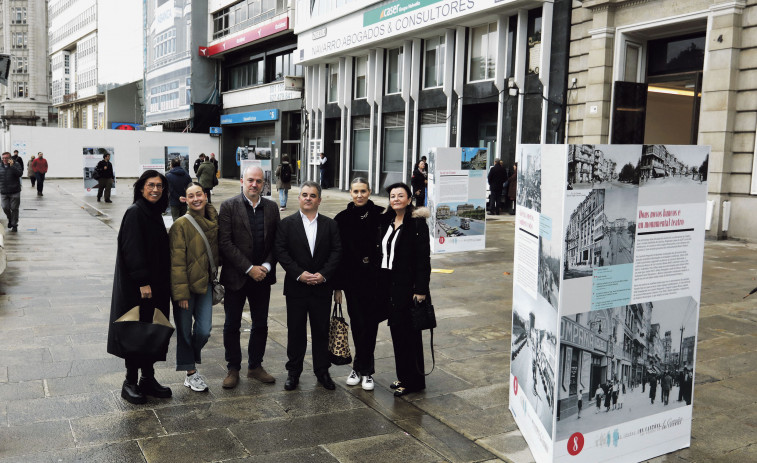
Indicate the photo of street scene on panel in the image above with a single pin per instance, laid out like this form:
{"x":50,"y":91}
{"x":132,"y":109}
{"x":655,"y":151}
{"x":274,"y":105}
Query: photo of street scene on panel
{"x":529,"y":177}
{"x":460,"y":219}
{"x":601,"y":229}
{"x":91,"y":156}
{"x":549,"y":271}
{"x":625,"y":363}
{"x":603,"y":166}
{"x":181,"y":152}
{"x":534,"y":347}
{"x":673,"y":164}
{"x":473,"y":159}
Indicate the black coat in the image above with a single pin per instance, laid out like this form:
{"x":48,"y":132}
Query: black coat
{"x":497,"y":177}
{"x":359,"y":229}
{"x":10,"y":178}
{"x":178,"y":180}
{"x":143,"y":258}
{"x":411,"y":269}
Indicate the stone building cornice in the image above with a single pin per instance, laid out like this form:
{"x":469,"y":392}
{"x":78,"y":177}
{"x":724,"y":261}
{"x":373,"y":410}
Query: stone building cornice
{"x":600,"y":5}
{"x":733,"y":7}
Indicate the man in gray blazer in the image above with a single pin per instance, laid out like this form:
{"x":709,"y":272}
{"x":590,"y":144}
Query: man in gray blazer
{"x":246,"y":237}
{"x":309,"y":249}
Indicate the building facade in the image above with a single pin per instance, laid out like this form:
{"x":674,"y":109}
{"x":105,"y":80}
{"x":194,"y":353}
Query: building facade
{"x":386,"y":82}
{"x":252,"y":46}
{"x":25,"y":100}
{"x":93,"y":45}
{"x":672,"y":72}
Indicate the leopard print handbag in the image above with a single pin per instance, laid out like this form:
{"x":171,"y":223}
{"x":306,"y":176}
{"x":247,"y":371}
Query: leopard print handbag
{"x":339,"y":343}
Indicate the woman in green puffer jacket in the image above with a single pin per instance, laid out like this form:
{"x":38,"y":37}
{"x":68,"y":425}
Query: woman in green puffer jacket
{"x":191,"y":280}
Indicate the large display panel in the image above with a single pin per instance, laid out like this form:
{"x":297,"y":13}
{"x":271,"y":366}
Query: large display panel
{"x":607,"y":281}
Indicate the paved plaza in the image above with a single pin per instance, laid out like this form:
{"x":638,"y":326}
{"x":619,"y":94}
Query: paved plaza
{"x":60,"y":391}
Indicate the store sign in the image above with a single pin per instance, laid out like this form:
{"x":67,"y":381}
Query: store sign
{"x":254,"y":116}
{"x":580,"y":336}
{"x":245,"y":38}
{"x":387,"y":22}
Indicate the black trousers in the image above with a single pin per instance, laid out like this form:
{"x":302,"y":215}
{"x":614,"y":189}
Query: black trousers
{"x":259,"y":296}
{"x":133,"y":364}
{"x":408,"y":351}
{"x":40,"y":181}
{"x":364,"y":329}
{"x":298,"y":309}
{"x":496,"y":202}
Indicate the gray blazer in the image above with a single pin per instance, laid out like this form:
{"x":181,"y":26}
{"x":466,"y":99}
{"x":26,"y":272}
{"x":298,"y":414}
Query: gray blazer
{"x":235,"y":241}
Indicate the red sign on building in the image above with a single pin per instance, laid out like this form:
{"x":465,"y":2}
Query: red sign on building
{"x":245,"y":38}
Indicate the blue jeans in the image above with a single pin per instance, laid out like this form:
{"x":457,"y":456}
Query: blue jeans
{"x":283,"y":196}
{"x":191,"y":339}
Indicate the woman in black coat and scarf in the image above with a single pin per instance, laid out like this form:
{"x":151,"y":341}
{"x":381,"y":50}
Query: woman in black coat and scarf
{"x":357,"y":276}
{"x":403,"y":278}
{"x":142,"y":278}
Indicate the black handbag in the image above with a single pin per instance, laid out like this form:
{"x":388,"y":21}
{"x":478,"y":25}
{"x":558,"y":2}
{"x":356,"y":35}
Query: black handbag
{"x":136,"y":338}
{"x":422,"y":317}
{"x":339,"y":341}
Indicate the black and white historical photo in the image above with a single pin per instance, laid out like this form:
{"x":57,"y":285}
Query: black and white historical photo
{"x":549,"y":271}
{"x":534,"y":347}
{"x":625,"y":363}
{"x":673,"y":164}
{"x":600,"y":231}
{"x":528,"y":192}
{"x":603,"y":166}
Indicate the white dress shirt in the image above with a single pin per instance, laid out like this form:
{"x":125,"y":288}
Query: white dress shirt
{"x":311,"y":230}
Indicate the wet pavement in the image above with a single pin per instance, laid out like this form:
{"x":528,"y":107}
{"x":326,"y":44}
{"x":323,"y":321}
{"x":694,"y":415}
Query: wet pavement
{"x":60,"y":390}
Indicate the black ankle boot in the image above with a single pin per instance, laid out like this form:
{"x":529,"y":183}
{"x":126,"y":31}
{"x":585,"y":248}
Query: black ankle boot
{"x":130,"y":393}
{"x":151,"y":387}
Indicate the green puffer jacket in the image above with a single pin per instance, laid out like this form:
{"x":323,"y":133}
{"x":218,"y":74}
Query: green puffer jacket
{"x":190,"y":268}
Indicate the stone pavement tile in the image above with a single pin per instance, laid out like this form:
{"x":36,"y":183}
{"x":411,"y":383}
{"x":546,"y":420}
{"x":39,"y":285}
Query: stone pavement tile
{"x":726,"y":346}
{"x":106,"y":365}
{"x":201,"y":446}
{"x":744,"y":383}
{"x":450,"y":444}
{"x":308,"y":431}
{"x":218,"y":414}
{"x":123,"y":452}
{"x":716,"y":397}
{"x":448,"y":404}
{"x":60,"y":353}
{"x":84,"y":384}
{"x":119,"y":427}
{"x":36,"y":437}
{"x":16,"y":356}
{"x":33,"y":371}
{"x":316,"y":401}
{"x":35,"y":320}
{"x":69,"y":329}
{"x":462,"y":350}
{"x":20,"y":391}
{"x":732,"y":365}
{"x":389,"y":448}
{"x":482,"y":423}
{"x":486,"y":396}
{"x":309,"y":455}
{"x":730,"y":324}
{"x":383,"y":401}
{"x":59,"y":408}
{"x":719,"y":432}
{"x":3,"y":374}
{"x":509,"y":446}
{"x":481,"y":371}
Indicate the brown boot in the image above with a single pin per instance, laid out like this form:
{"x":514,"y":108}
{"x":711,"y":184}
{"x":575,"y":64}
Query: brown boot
{"x":261,"y":375}
{"x":231,"y":380}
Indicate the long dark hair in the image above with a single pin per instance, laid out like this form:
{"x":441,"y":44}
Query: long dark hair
{"x":410,"y":208}
{"x":139,"y":185}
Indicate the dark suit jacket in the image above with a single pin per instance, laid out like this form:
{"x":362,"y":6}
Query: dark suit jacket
{"x":293,"y":252}
{"x":235,"y":241}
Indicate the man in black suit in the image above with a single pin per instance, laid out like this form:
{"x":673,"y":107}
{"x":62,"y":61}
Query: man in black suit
{"x":309,"y":249}
{"x":246,"y":237}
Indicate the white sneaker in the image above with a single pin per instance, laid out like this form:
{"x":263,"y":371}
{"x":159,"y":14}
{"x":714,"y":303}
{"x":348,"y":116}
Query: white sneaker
{"x":367,"y":383}
{"x":196,"y":382}
{"x":353,"y":379}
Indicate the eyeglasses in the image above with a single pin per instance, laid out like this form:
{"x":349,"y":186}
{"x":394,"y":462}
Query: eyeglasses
{"x":154,"y":186}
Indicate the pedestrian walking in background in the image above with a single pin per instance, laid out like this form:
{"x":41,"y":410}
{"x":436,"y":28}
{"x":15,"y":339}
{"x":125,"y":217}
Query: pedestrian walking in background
{"x":598,"y":397}
{"x":652,"y":388}
{"x":608,"y":395}
{"x":191,"y":281}
{"x":39,"y":166}
{"x":30,"y":172}
{"x":206,"y":176}
{"x":615,"y":393}
{"x":284,"y":181}
{"x":200,"y":160}
{"x":580,"y":403}
{"x":10,"y":189}
{"x":667,"y":384}
{"x":142,"y":279}
{"x":247,"y":232}
{"x":496,"y":178}
{"x":403,"y":279}
{"x":324,"y":168}
{"x":214,"y":160}
{"x":178,"y":181}
{"x":309,"y":249}
{"x":20,"y":161}
{"x":419,"y":182}
{"x":621,"y":395}
{"x":357,"y":274}
{"x":105,"y":177}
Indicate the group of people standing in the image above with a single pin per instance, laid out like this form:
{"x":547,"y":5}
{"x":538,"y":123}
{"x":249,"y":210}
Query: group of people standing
{"x":379,"y":260}
{"x":612,"y":393}
{"x":11,"y":171}
{"x":501,"y":183}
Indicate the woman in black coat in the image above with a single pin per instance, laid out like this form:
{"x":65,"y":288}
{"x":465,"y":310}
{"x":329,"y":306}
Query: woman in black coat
{"x":357,"y":276}
{"x":404,"y":277}
{"x":142,"y":278}
{"x":419,"y":182}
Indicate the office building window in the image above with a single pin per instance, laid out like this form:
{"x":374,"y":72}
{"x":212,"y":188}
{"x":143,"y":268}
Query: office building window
{"x":361,"y":72}
{"x":333,"y":82}
{"x":282,"y":65}
{"x":483,"y":52}
{"x":394,"y":70}
{"x":433,"y":62}
{"x":360,"y":149}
